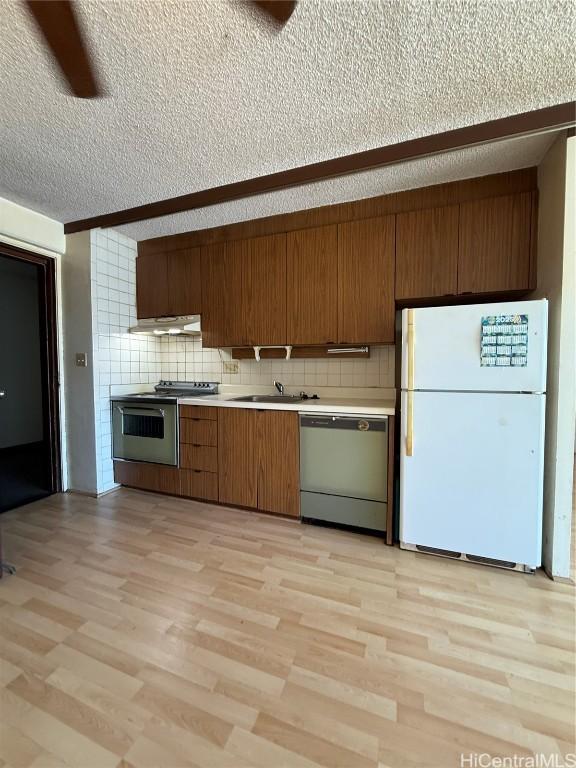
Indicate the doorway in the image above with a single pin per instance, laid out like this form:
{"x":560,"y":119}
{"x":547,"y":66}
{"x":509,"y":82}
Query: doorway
{"x":29,"y":418}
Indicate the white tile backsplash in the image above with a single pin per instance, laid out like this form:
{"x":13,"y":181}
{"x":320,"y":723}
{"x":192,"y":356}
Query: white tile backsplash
{"x":119,"y":357}
{"x":184,"y":358}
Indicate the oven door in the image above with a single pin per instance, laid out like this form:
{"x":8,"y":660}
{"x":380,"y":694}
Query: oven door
{"x":145,"y":432}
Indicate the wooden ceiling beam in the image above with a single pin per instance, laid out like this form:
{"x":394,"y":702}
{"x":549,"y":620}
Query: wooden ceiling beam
{"x":553,"y":118}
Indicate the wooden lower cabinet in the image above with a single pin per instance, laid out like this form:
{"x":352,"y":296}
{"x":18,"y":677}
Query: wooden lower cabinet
{"x":279,"y":462}
{"x":148,"y":477}
{"x":237,"y":456}
{"x":198,"y":432}
{"x":203,"y":457}
{"x":198,"y":484}
{"x":243,"y":457}
{"x":198,"y":412}
{"x":259,"y":460}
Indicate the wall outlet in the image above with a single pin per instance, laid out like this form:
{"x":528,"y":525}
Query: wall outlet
{"x":231,"y":366}
{"x":81,"y":359}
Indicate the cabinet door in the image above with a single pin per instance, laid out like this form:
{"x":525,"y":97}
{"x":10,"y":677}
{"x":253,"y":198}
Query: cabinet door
{"x":494,"y":251}
{"x":152,"y":285}
{"x":312,"y":285}
{"x":184,"y":282}
{"x":264,"y":289}
{"x":221,"y":297}
{"x":366,"y":255}
{"x":237,"y":456}
{"x":279,"y":462}
{"x":427,"y":253}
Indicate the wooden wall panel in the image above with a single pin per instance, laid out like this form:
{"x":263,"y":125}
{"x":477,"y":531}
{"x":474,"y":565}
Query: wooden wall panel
{"x":438,"y":195}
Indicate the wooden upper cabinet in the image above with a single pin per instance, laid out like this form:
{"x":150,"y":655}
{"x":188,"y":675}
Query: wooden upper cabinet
{"x":169,"y":283}
{"x":184,"y":282}
{"x":221,"y":299}
{"x":427,"y":253}
{"x":244,"y":292}
{"x":152,"y":285}
{"x":238,"y":456}
{"x":263,"y":288}
{"x":366,"y":255}
{"x":494,"y":251}
{"x":312,"y":285}
{"x":279,"y":462}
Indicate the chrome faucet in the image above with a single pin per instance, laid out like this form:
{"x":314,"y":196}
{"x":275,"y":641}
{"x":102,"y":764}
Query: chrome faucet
{"x":279,"y":387}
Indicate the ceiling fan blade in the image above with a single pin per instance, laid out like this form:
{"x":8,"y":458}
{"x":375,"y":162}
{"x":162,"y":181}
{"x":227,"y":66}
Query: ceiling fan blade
{"x":58,"y":23}
{"x":279,"y":10}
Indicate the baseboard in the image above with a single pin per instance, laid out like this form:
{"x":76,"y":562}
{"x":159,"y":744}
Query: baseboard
{"x":94,"y":494}
{"x":559,"y":579}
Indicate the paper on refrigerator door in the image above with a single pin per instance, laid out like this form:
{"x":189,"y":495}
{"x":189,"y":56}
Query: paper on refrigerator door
{"x":504,"y":341}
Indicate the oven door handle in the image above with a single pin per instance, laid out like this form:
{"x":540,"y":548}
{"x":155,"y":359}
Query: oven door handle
{"x":140,"y":411}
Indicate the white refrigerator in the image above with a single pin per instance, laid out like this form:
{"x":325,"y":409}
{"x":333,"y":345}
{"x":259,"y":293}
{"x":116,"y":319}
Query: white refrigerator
{"x":472,"y":431}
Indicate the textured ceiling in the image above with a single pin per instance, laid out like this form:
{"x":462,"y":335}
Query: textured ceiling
{"x":207,"y":92}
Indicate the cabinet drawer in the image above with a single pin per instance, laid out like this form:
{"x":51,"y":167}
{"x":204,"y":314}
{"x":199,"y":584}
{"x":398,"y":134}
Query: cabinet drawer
{"x":149,"y":477}
{"x":199,"y":431}
{"x":199,"y":484}
{"x":198,"y":412}
{"x":198,"y":457}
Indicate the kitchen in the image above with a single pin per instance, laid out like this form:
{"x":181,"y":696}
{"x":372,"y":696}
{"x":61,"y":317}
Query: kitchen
{"x":297,"y":486}
{"x":328,"y":292}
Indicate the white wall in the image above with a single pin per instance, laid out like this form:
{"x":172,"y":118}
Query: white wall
{"x":557,"y":283}
{"x":79,"y":396}
{"x":30,"y":230}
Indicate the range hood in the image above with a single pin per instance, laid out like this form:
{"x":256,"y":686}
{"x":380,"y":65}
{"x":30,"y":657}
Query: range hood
{"x":188,"y":325}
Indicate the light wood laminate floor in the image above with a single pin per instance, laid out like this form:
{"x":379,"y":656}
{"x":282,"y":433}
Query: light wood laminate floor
{"x":143,"y":630}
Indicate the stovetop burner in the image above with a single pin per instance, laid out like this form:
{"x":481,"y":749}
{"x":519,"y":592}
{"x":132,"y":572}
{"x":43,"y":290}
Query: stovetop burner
{"x":172,"y":390}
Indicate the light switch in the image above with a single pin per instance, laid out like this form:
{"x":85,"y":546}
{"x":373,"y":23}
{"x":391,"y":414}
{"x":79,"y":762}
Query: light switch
{"x":81,"y":359}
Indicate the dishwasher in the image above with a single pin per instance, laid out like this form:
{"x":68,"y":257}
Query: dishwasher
{"x":344,"y":470}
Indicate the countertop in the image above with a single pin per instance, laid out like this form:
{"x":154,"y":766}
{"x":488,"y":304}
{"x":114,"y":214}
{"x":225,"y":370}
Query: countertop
{"x":354,"y":406}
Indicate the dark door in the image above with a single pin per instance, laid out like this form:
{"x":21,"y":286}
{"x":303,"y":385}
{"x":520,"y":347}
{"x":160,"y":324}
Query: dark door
{"x":29,"y":466}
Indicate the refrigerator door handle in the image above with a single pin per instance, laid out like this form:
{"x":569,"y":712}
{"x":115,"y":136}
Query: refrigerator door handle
{"x":410,"y":340}
{"x":410,"y":423}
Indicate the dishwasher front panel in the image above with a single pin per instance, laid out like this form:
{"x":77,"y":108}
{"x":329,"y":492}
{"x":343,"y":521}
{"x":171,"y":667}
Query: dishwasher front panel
{"x":343,"y":510}
{"x":344,"y":456}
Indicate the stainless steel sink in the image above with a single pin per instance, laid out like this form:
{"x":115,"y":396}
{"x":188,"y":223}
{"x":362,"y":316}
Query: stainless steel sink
{"x":268,"y":399}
